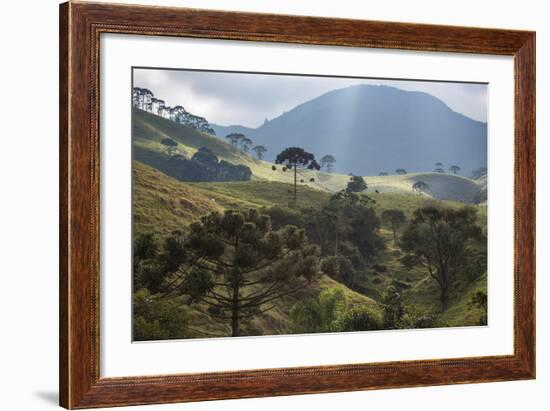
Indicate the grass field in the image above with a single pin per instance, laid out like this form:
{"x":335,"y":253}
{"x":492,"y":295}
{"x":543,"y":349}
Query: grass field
{"x":162,"y":204}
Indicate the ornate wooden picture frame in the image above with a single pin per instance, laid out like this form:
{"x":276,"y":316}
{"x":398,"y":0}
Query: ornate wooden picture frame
{"x":81,"y":25}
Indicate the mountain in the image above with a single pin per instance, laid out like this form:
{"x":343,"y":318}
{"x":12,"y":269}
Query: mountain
{"x":371,"y":129}
{"x":222,"y":131}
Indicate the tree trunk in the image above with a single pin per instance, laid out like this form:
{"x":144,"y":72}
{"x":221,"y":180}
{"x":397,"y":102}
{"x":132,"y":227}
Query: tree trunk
{"x":235,"y":309}
{"x":444,"y":298}
{"x":295,"y":180}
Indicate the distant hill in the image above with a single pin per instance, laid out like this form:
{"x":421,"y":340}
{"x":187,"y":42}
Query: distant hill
{"x":149,"y":130}
{"x":222,"y":131}
{"x":376,"y":129}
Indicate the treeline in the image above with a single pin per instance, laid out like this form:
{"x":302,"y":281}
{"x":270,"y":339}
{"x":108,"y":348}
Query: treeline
{"x":205,"y":166}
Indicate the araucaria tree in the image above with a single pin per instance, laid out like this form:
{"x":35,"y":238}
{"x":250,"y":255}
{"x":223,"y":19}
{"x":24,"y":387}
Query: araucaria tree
{"x":327,"y":162}
{"x":396,"y":219}
{"x":237,"y":265}
{"x":259,"y":150}
{"x":245,"y":144}
{"x":234,"y":138}
{"x":442,"y":240}
{"x":420,"y":187}
{"x":454,"y":169}
{"x":170,"y":145}
{"x":356,"y":184}
{"x":294,"y":158}
{"x":401,"y":171}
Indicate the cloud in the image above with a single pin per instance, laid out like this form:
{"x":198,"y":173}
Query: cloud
{"x":247,"y":99}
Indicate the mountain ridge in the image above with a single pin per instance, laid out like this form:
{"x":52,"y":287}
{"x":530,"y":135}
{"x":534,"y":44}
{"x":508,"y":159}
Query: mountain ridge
{"x":409,"y":129}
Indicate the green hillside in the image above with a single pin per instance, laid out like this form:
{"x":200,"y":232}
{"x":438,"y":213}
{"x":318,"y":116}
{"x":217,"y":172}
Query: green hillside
{"x":162,"y":205}
{"x":149,"y":130}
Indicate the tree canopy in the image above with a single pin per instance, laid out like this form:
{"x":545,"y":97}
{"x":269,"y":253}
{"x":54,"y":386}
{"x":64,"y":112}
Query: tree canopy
{"x":441,"y":240}
{"x":295,"y":158}
{"x":396,"y":219}
{"x":260,"y":151}
{"x":239,"y":266}
{"x":356,"y":184}
{"x":170,"y":145}
{"x":327,"y":162}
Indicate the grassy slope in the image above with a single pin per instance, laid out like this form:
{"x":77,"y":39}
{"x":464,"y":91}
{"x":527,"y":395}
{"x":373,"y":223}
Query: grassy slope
{"x":166,"y":204}
{"x":149,"y":130}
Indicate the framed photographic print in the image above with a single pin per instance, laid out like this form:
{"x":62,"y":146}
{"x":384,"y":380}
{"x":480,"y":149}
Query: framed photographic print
{"x":257,"y":205}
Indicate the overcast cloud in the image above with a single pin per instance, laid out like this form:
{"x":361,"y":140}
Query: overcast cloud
{"x":248,"y":99}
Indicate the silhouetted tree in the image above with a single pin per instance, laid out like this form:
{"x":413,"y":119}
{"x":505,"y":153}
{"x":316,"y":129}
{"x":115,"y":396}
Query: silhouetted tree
{"x":327,"y":162}
{"x":439,"y":164}
{"x":259,"y":150}
{"x":439,"y":239}
{"x":454,"y":169}
{"x":296,"y":157}
{"x":356,"y":184}
{"x":439,"y":170}
{"x":420,"y":186}
{"x":170,"y":145}
{"x":245,"y":144}
{"x":383,"y":173}
{"x":400,"y":171}
{"x":234,"y":138}
{"x":396,"y":219}
{"x":237,"y":265}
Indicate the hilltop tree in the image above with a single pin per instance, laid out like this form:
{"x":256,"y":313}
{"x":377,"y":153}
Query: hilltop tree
{"x":327,"y":162}
{"x":238,"y":266}
{"x":441,"y":240}
{"x":439,"y":164}
{"x":454,"y":169}
{"x":356,"y":184}
{"x":382,"y":173}
{"x":259,"y":150}
{"x":234,"y":138}
{"x":294,"y":158}
{"x":400,"y":171}
{"x":396,"y":219}
{"x":420,"y":186}
{"x":170,"y":145}
{"x":245,"y":144}
{"x":439,"y":170}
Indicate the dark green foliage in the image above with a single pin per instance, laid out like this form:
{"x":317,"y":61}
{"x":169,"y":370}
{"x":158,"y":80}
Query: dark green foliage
{"x":204,"y":166}
{"x":281,"y":216}
{"x":318,"y":315}
{"x":339,"y":268}
{"x":395,"y":219}
{"x":347,"y":225}
{"x":393,"y":308}
{"x":234,"y":138}
{"x":383,"y":173}
{"x":420,"y":186}
{"x":170,"y":145}
{"x":478,"y":301}
{"x":236,"y":263}
{"x":260,"y":151}
{"x":357,"y":319}
{"x":245,"y":144}
{"x":400,"y":171}
{"x":356,"y":184}
{"x":441,"y":239}
{"x":327,"y":162}
{"x":157,"y":318}
{"x":296,"y":157}
{"x":454,"y":169}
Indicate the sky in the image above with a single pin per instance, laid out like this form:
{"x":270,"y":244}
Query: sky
{"x":248,"y":99}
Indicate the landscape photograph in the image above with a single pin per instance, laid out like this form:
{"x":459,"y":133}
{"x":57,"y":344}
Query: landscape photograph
{"x":271,"y":204}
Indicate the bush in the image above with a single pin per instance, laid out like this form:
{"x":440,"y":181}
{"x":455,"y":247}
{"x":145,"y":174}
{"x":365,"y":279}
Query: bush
{"x":358,"y":319}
